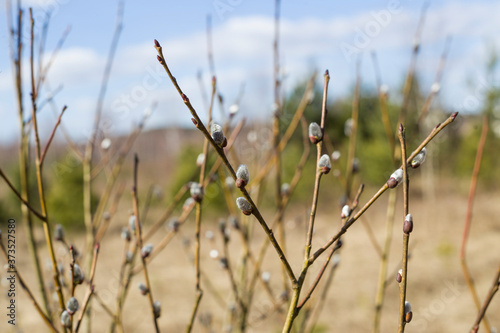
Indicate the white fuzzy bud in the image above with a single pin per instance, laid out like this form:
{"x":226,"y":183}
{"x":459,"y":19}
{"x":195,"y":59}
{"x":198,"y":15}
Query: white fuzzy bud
{"x":419,"y":158}
{"x":244,"y":205}
{"x":285,"y":189}
{"x":59,"y":233}
{"x":335,"y":156}
{"x":126,"y":234}
{"x":196,"y":191}
{"x":346,"y":211}
{"x":233,"y":109}
{"x":324,"y":164}
{"x":65,"y":319}
{"x":217,"y":134}
{"x":131,"y":222}
{"x":105,"y":144}
{"x":214,"y":254}
{"x":143,"y":289}
{"x":200,"y":159}
{"x":242,"y":176}
{"x":157,"y":309}
{"x":408,"y":312}
{"x":315,"y":133}
{"x":72,"y":305}
{"x":435,"y":87}
{"x":395,"y":179}
{"x":78,"y":276}
{"x":146,"y":250}
{"x":188,"y":203}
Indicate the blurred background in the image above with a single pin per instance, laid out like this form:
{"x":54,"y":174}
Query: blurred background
{"x":457,"y":64}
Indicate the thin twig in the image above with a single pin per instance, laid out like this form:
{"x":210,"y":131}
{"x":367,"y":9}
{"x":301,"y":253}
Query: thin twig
{"x":26,"y":203}
{"x":42,"y":158}
{"x":468,"y":218}
{"x":384,"y":187}
{"x":293,"y":310}
{"x":138,"y":234}
{"x":13,"y":269}
{"x":493,"y":289}
{"x":406,"y":234}
{"x":38,"y":165}
{"x":220,"y":151}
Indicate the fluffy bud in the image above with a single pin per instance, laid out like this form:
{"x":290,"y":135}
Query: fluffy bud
{"x":399,"y":276}
{"x":336,"y":259}
{"x":187,"y":204}
{"x":78,"y":276}
{"x":196,"y":192}
{"x":105,"y":144}
{"x":209,"y":234}
{"x":59,"y":233}
{"x":217,"y":134}
{"x":142,"y":287}
{"x":233,"y":109}
{"x":242,"y":176}
{"x":324,"y":164}
{"x":157,"y":309}
{"x":244,"y":205}
{"x":285,"y":189}
{"x":72,"y":305}
{"x":408,"y":224}
{"x":223,"y":230}
{"x":408,"y":312}
{"x":129,"y":256}
{"x":395,"y":179}
{"x":223,"y":263}
{"x":233,"y":221}
{"x":200,"y":159}
{"x":384,"y":89}
{"x":335,"y":156}
{"x":65,"y":319}
{"x":126,"y":234}
{"x":345,"y":211}
{"x":146,"y":250}
{"x":348,"y":127}
{"x":174,"y":224}
{"x":229,"y":182}
{"x":131,"y":222}
{"x":419,"y":158}
{"x":315,"y":133}
{"x":214,"y":254}
{"x":266,"y":276}
{"x":435,"y":87}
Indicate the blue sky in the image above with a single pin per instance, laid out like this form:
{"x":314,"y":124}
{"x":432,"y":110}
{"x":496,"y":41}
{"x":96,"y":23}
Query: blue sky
{"x":314,"y":35}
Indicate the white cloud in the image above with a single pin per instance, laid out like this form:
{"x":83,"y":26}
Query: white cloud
{"x":243,"y":54}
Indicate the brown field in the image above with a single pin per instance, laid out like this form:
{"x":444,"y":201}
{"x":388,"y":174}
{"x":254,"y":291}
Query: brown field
{"x":436,"y":289}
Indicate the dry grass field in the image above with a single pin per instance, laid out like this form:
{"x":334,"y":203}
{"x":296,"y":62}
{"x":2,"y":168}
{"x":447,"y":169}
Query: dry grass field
{"x":436,"y":289}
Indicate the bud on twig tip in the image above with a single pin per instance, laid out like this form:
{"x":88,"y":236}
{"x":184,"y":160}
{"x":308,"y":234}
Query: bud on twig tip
{"x":157,"y":44}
